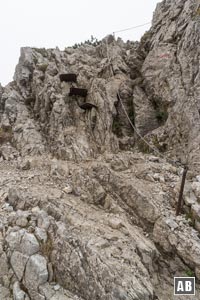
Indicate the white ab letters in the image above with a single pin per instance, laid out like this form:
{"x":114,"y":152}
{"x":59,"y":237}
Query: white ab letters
{"x":188,"y":286}
{"x":180,"y":287}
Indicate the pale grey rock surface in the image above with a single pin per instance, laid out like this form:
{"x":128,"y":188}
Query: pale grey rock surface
{"x":19,"y":294}
{"x":18,"y":263}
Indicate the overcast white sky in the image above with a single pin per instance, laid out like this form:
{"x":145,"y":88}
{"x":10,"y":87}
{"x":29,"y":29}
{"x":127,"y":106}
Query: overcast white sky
{"x":62,"y":23}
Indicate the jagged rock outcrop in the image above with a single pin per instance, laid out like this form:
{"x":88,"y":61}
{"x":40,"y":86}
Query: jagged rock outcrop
{"x":171,"y":72}
{"x":86,"y":212}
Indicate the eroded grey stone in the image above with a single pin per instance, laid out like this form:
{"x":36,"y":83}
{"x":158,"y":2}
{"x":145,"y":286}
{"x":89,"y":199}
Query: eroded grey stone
{"x":18,"y":293}
{"x":36,"y":272}
{"x":29,"y":244}
{"x":18,"y":262}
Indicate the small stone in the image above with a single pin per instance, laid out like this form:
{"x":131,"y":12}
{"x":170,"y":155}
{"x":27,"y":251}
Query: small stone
{"x":22,"y":222}
{"x":196,"y":211}
{"x":171,"y":223}
{"x":154,"y":159}
{"x":18,"y":294}
{"x":108,"y":202}
{"x":41,"y":234}
{"x":36,"y":272}
{"x":179,"y":218}
{"x":14,"y":239}
{"x":159,"y":177}
{"x":56,"y":287}
{"x":47,"y":291}
{"x":7,"y":207}
{"x":196,"y":188}
{"x":12,"y":218}
{"x":25,"y":165}
{"x":36,"y":209}
{"x":190,"y":199}
{"x":31,"y":229}
{"x":99,"y":195}
{"x":68,"y":189}
{"x":29,"y":244}
{"x":115,"y":223}
{"x":18,"y":263}
{"x":149,"y":178}
{"x":36,"y":296}
{"x":43,"y":220}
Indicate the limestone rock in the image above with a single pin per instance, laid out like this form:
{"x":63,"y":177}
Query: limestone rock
{"x":43,"y":220}
{"x":14,"y":239}
{"x":18,"y":262}
{"x":68,"y":189}
{"x":18,"y":294}
{"x":40,"y":234}
{"x":115,"y":223}
{"x":36,"y":273}
{"x":22,"y":222}
{"x":196,"y":211}
{"x":190,"y":199}
{"x":171,"y":223}
{"x":29,"y":244}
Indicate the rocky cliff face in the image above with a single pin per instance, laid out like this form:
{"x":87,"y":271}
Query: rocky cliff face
{"x":86,"y":211}
{"x":171,"y":71}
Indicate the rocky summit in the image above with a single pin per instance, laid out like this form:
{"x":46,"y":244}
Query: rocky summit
{"x":93,"y":141}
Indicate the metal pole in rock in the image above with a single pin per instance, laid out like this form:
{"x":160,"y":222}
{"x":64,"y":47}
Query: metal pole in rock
{"x":179,"y":204}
